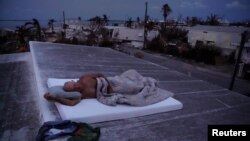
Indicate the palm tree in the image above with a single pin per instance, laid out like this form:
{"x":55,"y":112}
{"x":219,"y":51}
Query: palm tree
{"x":94,"y":30}
{"x":194,"y":21}
{"x":38,"y":28}
{"x":166,"y":10}
{"x":138,"y":20}
{"x":97,"y":20}
{"x":79,"y":19}
{"x":213,"y":20}
{"x":34,"y":25}
{"x":129,"y":22}
{"x":150,"y":25}
{"x":51,"y":24}
{"x":105,"y":19}
{"x":20,"y":32}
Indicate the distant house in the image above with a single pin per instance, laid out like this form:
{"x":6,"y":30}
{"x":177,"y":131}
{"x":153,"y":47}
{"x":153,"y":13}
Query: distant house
{"x":74,"y":29}
{"x":223,"y":36}
{"x":135,"y":36}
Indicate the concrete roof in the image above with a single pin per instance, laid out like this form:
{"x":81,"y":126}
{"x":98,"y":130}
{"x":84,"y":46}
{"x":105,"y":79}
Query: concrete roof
{"x":19,"y":109}
{"x":204,"y":103}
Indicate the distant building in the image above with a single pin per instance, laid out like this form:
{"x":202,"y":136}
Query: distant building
{"x":223,"y":36}
{"x":130,"y":35}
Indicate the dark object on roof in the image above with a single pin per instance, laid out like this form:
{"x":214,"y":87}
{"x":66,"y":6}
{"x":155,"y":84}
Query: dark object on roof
{"x":78,"y":131}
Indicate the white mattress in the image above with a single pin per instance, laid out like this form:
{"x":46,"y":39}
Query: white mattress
{"x":92,"y":111}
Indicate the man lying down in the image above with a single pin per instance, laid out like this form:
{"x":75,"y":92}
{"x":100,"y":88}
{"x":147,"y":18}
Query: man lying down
{"x":129,"y":88}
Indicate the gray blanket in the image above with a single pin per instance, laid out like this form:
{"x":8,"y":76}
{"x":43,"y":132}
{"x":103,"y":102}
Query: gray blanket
{"x":130,"y":88}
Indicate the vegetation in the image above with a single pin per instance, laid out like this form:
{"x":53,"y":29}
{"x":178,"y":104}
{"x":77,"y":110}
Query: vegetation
{"x":18,"y":41}
{"x":97,"y":33}
{"x":173,"y":34}
{"x":173,"y":41}
{"x":8,"y":47}
{"x":167,"y":37}
{"x":205,"y":53}
{"x":150,"y":25}
{"x":166,"y":10}
{"x":157,"y":44}
{"x":208,"y":54}
{"x":106,"y":43}
{"x":139,"y":55}
{"x":105,"y":19}
{"x":213,"y":20}
{"x":192,"y":21}
{"x":33,"y":29}
{"x":129,"y":23}
{"x":51,"y":25}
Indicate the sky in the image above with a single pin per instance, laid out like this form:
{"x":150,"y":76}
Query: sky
{"x":231,"y":10}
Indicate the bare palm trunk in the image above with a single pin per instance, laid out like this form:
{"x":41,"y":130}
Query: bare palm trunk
{"x":165,"y":21}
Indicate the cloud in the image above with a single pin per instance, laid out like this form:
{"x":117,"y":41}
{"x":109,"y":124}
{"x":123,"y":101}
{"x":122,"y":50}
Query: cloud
{"x":235,"y":4}
{"x":193,"y":4}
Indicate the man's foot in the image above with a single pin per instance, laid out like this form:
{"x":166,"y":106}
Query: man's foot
{"x":49,"y":96}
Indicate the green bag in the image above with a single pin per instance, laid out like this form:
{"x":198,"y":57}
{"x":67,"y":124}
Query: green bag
{"x":85,"y":133}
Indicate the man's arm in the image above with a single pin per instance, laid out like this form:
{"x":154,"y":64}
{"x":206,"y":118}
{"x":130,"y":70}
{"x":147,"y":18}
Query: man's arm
{"x":68,"y":102}
{"x":64,"y":101}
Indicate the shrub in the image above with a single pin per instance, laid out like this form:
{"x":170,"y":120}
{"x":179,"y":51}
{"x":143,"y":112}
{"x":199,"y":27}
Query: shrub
{"x":139,"y":55}
{"x":156,"y":45}
{"x":231,"y":57}
{"x":184,"y":50}
{"x":174,"y":34}
{"x":205,"y":53}
{"x":106,"y":43}
{"x":172,"y":50}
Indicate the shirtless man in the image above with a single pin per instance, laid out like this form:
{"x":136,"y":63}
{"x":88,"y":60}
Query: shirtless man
{"x":86,"y":85}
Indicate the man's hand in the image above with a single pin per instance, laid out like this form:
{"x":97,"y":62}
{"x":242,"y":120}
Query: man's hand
{"x":49,"y":96}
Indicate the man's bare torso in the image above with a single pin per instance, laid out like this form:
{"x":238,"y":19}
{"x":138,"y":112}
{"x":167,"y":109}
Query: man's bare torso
{"x":87,"y":86}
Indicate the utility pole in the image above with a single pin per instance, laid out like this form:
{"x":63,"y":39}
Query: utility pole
{"x":145,"y":26}
{"x":242,"y":43}
{"x":64,"y":25}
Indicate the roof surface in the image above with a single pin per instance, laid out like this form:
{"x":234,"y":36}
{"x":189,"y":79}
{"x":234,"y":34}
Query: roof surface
{"x":19,"y":120}
{"x":204,"y":103}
